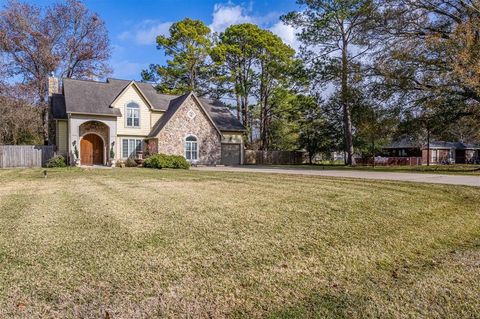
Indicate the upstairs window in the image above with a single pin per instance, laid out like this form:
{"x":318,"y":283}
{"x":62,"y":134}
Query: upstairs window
{"x":133,"y":115}
{"x":191,"y":148}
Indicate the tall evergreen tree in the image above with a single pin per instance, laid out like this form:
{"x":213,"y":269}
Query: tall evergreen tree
{"x":335,"y":36}
{"x":255,"y":63}
{"x":188,"y":45}
{"x":236,"y":53}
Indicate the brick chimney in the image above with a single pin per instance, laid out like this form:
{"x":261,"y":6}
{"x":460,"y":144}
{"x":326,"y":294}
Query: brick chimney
{"x":53,"y":86}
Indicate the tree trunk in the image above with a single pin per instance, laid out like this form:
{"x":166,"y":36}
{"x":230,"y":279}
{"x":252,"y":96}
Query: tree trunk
{"x":264,"y":123}
{"x":428,"y":145}
{"x":239,"y":107}
{"x":262,"y":106}
{"x":373,"y":152}
{"x":43,"y":104}
{"x":347,"y":116}
{"x":246,"y":117}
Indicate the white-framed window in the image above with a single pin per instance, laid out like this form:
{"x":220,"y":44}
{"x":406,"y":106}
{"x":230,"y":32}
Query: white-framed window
{"x":130,"y":147}
{"x":191,"y":148}
{"x":434,"y":155}
{"x":133,"y":115}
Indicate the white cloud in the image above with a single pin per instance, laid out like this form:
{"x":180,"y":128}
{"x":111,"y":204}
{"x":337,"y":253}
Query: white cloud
{"x":227,"y":14}
{"x":287,"y":34}
{"x":146,"y":32}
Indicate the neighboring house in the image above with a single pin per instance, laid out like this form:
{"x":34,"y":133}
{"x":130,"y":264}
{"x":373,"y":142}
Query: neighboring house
{"x":438,"y":152}
{"x":131,"y":117}
{"x":450,"y":152}
{"x":404,"y":147}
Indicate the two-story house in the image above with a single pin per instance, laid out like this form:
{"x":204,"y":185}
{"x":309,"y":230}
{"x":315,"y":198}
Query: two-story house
{"x":95,"y":120}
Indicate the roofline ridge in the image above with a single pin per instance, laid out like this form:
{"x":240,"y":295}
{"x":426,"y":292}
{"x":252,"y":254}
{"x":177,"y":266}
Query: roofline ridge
{"x":84,"y":80}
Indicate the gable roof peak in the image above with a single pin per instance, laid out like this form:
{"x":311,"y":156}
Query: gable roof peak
{"x":130,"y":84}
{"x":174,"y":106}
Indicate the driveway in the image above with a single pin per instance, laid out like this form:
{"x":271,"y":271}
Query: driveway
{"x":404,"y":177}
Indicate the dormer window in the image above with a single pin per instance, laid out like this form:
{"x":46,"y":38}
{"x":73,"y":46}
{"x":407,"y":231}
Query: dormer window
{"x":133,"y":115}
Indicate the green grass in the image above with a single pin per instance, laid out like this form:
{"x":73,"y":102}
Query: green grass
{"x":457,"y":169}
{"x":142,"y":243}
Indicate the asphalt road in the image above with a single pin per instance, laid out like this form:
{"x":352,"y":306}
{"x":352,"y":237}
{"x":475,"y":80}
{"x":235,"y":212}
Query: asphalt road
{"x":391,"y":176}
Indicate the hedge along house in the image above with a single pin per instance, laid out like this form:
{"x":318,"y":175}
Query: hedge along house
{"x":95,"y":118}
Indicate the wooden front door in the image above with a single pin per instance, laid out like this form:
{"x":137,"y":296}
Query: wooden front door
{"x":91,"y":150}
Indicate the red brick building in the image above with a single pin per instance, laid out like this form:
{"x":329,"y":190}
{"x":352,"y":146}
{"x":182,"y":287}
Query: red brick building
{"x":441,"y":152}
{"x":410,"y":152}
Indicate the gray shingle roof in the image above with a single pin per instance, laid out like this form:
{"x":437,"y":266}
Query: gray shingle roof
{"x":221,"y":115}
{"x":91,"y":97}
{"x":405,"y":142}
{"x":451,"y":145}
{"x":172,"y":108}
{"x":159,"y":102}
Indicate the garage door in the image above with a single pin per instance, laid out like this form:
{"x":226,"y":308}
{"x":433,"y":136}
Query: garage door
{"x":231,"y":154}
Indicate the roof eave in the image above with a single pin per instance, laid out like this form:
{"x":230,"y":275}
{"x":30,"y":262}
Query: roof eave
{"x":233,"y":130}
{"x":96,"y":114}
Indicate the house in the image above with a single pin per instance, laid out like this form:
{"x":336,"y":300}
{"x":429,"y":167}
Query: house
{"x":404,"y":147}
{"x":407,"y":151}
{"x":118,"y":119}
{"x":450,"y":152}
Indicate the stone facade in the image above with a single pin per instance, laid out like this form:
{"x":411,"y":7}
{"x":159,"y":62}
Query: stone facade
{"x":95,"y":127}
{"x":190,"y":119}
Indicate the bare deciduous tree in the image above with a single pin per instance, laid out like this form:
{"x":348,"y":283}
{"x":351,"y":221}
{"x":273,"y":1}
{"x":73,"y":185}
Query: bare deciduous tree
{"x":21,"y":123}
{"x":64,"y":38}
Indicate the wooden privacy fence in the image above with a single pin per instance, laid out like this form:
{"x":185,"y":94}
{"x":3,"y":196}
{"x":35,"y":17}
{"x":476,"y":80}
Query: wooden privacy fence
{"x":25,"y":155}
{"x":274,"y":157}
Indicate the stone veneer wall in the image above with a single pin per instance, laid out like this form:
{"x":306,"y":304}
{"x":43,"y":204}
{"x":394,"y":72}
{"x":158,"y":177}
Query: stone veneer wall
{"x":96,"y":127}
{"x":171,"y":139}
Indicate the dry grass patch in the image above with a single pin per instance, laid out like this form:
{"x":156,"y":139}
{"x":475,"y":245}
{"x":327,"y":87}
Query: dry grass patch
{"x":140,"y":243}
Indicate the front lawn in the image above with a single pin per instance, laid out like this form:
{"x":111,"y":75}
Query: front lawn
{"x":143,"y":243}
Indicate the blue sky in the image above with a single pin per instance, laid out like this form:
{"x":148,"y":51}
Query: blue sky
{"x":133,"y":25}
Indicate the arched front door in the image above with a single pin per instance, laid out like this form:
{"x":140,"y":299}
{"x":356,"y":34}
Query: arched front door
{"x":91,"y":150}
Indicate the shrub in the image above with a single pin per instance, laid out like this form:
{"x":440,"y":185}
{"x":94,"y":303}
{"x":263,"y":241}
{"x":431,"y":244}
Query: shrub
{"x":56,"y":161}
{"x":166,"y":161}
{"x":130,"y":163}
